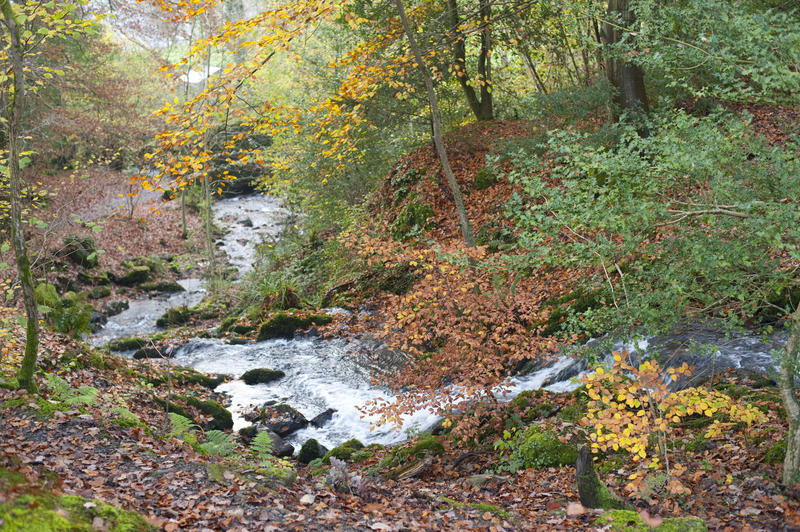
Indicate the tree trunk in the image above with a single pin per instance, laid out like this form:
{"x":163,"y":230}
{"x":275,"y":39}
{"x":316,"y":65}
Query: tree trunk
{"x":482,"y":108}
{"x":436,"y":122}
{"x":15,"y":101}
{"x":788,"y":374}
{"x":627,"y":78}
{"x":485,"y":62}
{"x":592,"y":492}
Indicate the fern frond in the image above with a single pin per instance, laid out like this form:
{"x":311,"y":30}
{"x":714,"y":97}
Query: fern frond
{"x":262,"y":446}
{"x":180,"y":425}
{"x":219,"y":443}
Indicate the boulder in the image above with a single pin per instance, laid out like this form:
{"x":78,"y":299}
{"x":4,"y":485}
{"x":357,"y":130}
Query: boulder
{"x":97,"y":320}
{"x":152,"y":352}
{"x":112,"y":308}
{"x":262,"y":375}
{"x":168,"y":286}
{"x":321,"y":419}
{"x":280,"y":448}
{"x":94,"y":279}
{"x":311,"y":450}
{"x":81,"y":250}
{"x":175,"y":316}
{"x":134,"y":275}
{"x":282,"y":325}
{"x":282,"y":419}
{"x":99,"y":292}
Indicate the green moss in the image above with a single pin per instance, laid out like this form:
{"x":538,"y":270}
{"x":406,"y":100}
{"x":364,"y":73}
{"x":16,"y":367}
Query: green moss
{"x":262,"y":376}
{"x":134,"y":275}
{"x":697,"y":444}
{"x":174,"y":407}
{"x":412,"y":220}
{"x":48,"y":513}
{"x":282,"y":325}
{"x":99,"y":292}
{"x":630,"y":521}
{"x":221,"y":417}
{"x":426,"y":446}
{"x":343,"y":451}
{"x":226,"y":325}
{"x":124,"y":418}
{"x":164,"y":286}
{"x":536,"y":448}
{"x":310,"y":451}
{"x":175,"y":316}
{"x":572,"y":413}
{"x":128,"y":343}
{"x":184,"y":376}
{"x":484,"y":179}
{"x":10,"y":478}
{"x":776,"y":453}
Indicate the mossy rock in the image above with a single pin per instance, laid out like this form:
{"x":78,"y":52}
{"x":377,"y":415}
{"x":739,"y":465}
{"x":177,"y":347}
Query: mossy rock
{"x":221,"y":417}
{"x":168,"y":286}
{"x":262,"y":376}
{"x":127,"y":344}
{"x":484,"y":179}
{"x":630,"y":521}
{"x":174,"y":407}
{"x":99,"y":292}
{"x":311,"y":450}
{"x":81,"y":250}
{"x":248,"y":433}
{"x":343,"y":451}
{"x":426,"y":446}
{"x":282,"y":325}
{"x":183,"y":376}
{"x":776,"y":454}
{"x":226,"y":325}
{"x":50,"y":513}
{"x":93,"y":279}
{"x":175,"y":316}
{"x":134,"y":276}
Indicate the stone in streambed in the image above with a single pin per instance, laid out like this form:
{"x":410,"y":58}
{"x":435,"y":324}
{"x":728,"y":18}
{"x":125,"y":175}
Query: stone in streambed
{"x":282,"y":419}
{"x":311,"y":450}
{"x":320,"y":419}
{"x":262,"y":376}
{"x":282,"y":325}
{"x":134,"y":275}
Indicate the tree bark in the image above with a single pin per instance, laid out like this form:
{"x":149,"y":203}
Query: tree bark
{"x":788,"y":374}
{"x":436,"y":122}
{"x":592,"y":492}
{"x":14,"y":104}
{"x":482,"y":108}
{"x":626,"y":78}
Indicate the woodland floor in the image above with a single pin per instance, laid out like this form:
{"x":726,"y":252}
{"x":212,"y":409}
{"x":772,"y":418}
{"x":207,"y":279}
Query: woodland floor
{"x":57,"y":448}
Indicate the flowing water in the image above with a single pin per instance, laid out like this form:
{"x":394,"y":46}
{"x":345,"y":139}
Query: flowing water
{"x":323,"y":374}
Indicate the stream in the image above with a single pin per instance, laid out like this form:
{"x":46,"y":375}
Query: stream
{"x":335,"y":373}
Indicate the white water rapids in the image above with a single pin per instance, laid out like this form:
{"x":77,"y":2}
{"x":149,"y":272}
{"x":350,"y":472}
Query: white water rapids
{"x":323,"y":374}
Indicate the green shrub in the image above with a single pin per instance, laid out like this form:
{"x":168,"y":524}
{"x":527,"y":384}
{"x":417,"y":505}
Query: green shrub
{"x":484,"y":179}
{"x":776,"y":454}
{"x":69,"y":314}
{"x":533,"y":448}
{"x":412,"y":221}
